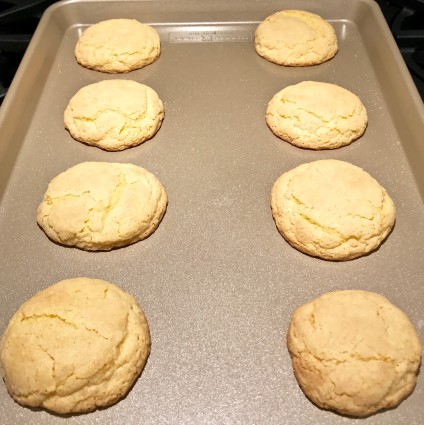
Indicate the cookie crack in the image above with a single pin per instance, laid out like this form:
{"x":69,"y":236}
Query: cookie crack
{"x":114,"y":197}
{"x":315,"y":114}
{"x":325,"y":229}
{"x":62,"y":320}
{"x":102,"y":374}
{"x":376,"y":357}
{"x":347,"y":358}
{"x":114,"y":55}
{"x":333,"y":231}
{"x":113,"y":200}
{"x":52,"y":201}
{"x":49,"y":316}
{"x":131,"y":121}
{"x":96,"y":332}
{"x":51,"y":358}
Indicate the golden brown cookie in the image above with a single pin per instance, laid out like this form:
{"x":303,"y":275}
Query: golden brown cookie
{"x":316,"y":115}
{"x":114,"y":114}
{"x":97,"y":206}
{"x":118,"y":45}
{"x":77,"y":345}
{"x":332,"y":209}
{"x":295,"y":38}
{"x":354,"y":352}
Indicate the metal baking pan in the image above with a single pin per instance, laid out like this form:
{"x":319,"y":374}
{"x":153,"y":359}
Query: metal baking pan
{"x":216,"y":280}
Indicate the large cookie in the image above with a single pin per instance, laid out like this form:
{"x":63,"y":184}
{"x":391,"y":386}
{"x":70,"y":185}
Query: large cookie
{"x":332,"y":209}
{"x":99,"y":206}
{"x":354,"y":352}
{"x":114,"y":114}
{"x":316,"y":115}
{"x":118,"y":45}
{"x":295,"y":38}
{"x":75,"y":346}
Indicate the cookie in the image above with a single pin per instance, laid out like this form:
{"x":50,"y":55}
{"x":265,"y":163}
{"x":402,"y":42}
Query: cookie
{"x":354,"y":352}
{"x":97,"y":206}
{"x":77,"y":345}
{"x":114,"y":114}
{"x":316,"y":115}
{"x":295,"y":38}
{"x":332,"y":209}
{"x":117,"y":45}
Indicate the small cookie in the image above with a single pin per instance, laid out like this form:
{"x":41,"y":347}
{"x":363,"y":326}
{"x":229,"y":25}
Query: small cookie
{"x":316,"y":115}
{"x":97,"y":206}
{"x":354,"y":352}
{"x":114,"y":114}
{"x":331,"y":209}
{"x":118,"y":45}
{"x":77,"y":345}
{"x":295,"y":38}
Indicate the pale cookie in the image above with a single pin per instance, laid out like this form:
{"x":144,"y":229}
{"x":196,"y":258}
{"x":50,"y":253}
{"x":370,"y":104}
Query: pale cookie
{"x":332,"y":209}
{"x":354,"y":352}
{"x":99,"y":206}
{"x":78,"y":345}
{"x":316,"y":115}
{"x":118,"y":45}
{"x":114,"y":114}
{"x":295,"y":38}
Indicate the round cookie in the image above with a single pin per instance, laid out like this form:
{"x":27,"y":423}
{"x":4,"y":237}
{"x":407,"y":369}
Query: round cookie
{"x":114,"y":114}
{"x":99,"y":206}
{"x":316,"y":115}
{"x":332,"y":209}
{"x":295,"y":38}
{"x":77,"y":345}
{"x":117,"y":45}
{"x":354,"y":352}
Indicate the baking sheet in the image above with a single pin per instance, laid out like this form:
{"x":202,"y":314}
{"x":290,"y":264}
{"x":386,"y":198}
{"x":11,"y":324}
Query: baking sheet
{"x":217,"y":282}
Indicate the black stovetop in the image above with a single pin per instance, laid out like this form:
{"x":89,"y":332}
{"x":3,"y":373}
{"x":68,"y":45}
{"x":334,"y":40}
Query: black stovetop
{"x":406,"y":21}
{"x":19,"y":18}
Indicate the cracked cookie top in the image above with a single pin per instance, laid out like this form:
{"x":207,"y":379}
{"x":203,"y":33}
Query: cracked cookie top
{"x":332,"y":209}
{"x":295,"y":38}
{"x":354,"y":352}
{"x":114,"y":114}
{"x":75,"y":346}
{"x":316,"y":115}
{"x":117,"y":45}
{"x":99,"y":206}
